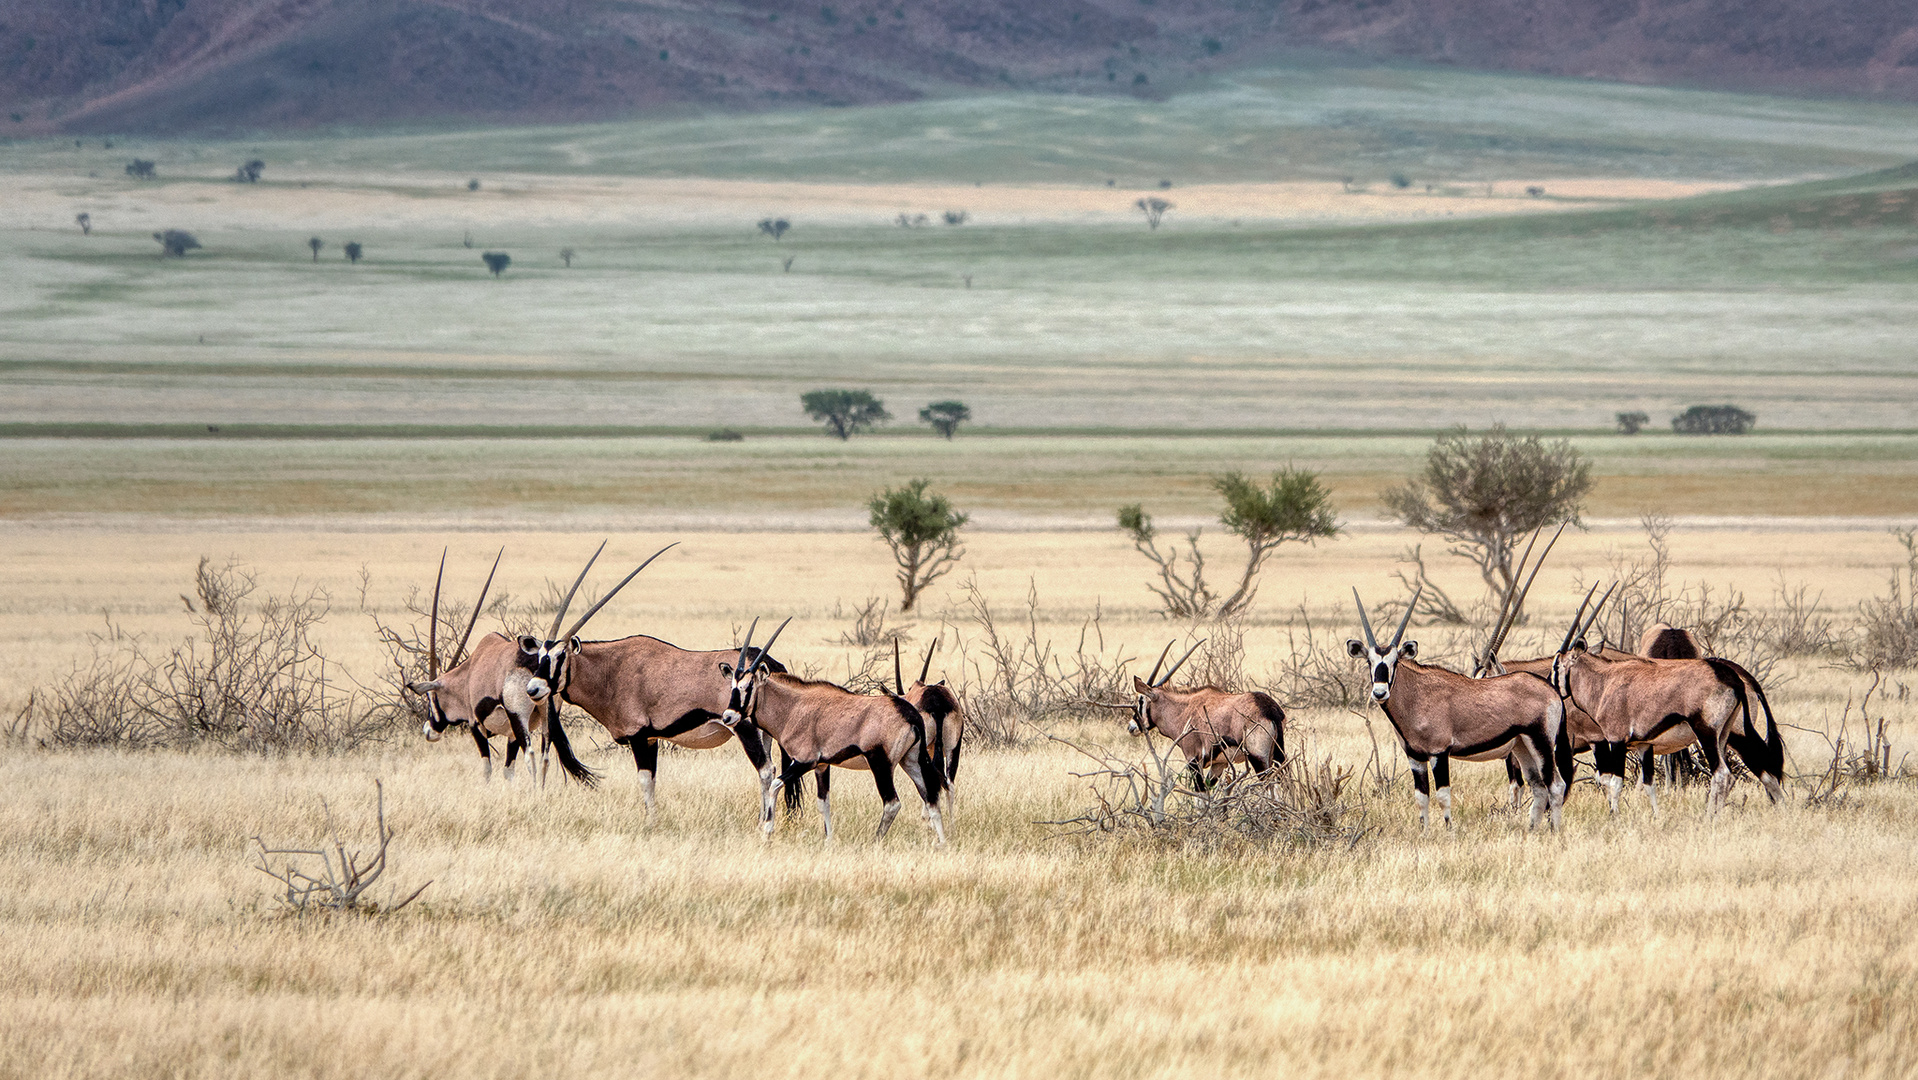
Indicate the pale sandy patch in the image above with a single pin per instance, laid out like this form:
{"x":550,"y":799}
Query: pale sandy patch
{"x":336,"y":200}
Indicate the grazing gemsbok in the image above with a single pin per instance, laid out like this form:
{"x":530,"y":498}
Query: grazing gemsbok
{"x":641,"y":690}
{"x":1211,"y":727}
{"x":819,"y":724}
{"x":1663,"y":704}
{"x":1441,"y":714}
{"x":484,"y":692}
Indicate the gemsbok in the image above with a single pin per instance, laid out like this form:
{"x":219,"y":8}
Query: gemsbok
{"x":1662,"y":705}
{"x":1212,"y":728}
{"x":642,"y":690}
{"x":1441,"y":714}
{"x":483,"y":692}
{"x":938,"y":704}
{"x":820,"y":725}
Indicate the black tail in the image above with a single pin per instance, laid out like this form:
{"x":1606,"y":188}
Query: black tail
{"x":1274,"y":714}
{"x":795,"y":786}
{"x":1764,"y":754}
{"x":1566,"y":764}
{"x":556,"y":734}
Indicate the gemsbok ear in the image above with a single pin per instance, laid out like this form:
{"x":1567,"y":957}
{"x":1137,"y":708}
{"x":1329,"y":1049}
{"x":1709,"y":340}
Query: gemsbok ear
{"x":726,"y":669}
{"x":1355,"y":647}
{"x":573,"y":645}
{"x":1409,"y":650}
{"x":1139,"y":685}
{"x":528,"y":643}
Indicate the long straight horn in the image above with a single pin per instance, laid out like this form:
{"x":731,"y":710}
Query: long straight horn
{"x":1406,"y":621}
{"x":433,"y":627}
{"x":474,"y":621}
{"x":1153,"y":679}
{"x":927,"y":666}
{"x":1505,"y":605}
{"x":553,"y":634}
{"x":1572,"y":630}
{"x":1498,"y":642}
{"x":767,"y":648}
{"x":1364,"y":623}
{"x":1180,"y":664}
{"x":898,"y":680}
{"x":1602,"y":601}
{"x":594,"y":610}
{"x":740,"y":665}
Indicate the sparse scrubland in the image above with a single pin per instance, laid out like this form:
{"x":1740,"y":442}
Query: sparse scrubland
{"x":323,"y":426}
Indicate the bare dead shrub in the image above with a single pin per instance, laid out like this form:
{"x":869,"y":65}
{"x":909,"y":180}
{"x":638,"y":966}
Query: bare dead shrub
{"x":1435,"y":604}
{"x":341,"y":879}
{"x":1309,"y":802}
{"x":1315,"y":669}
{"x":1888,"y":624}
{"x":869,"y":627}
{"x":1865,"y":759}
{"x":1011,"y":677}
{"x":247,"y":678}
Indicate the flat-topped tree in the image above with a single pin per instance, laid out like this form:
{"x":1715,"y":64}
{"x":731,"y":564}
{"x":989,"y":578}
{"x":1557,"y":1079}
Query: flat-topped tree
{"x":496,"y":261}
{"x":844,"y":412}
{"x":945,"y":416}
{"x":352,"y":250}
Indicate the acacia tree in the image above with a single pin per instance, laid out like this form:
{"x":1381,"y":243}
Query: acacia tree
{"x":496,"y":261}
{"x":844,"y":412}
{"x":175,"y":243}
{"x":922,"y":529}
{"x":775,"y":227}
{"x":566,"y":256}
{"x":1294,"y":506}
{"x":85,"y":221}
{"x":352,"y":250}
{"x":1486,"y":494}
{"x":945,"y":416}
{"x":1154,"y":209}
{"x":316,"y":244}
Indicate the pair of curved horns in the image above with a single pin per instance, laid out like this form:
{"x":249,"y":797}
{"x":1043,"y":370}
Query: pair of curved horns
{"x":1514,"y":604}
{"x":433,"y":624}
{"x":1154,"y":680}
{"x":898,"y":678}
{"x":554,"y":634}
{"x":740,"y":667}
{"x":1397,"y":636}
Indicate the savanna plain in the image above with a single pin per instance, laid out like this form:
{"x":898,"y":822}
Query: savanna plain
{"x":331,"y":425}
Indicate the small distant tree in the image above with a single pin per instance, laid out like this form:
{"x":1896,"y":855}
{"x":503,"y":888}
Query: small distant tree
{"x":922,"y":529}
{"x":1401,"y":181}
{"x":566,"y":256}
{"x":175,"y":243}
{"x":1154,"y":208}
{"x":844,"y":412}
{"x":140,"y":169}
{"x":352,"y":250}
{"x":1713,"y":420}
{"x":775,"y":228}
{"x":249,"y":173}
{"x":496,"y":261}
{"x":1486,"y":494}
{"x":1535,"y":191}
{"x":85,"y":221}
{"x":945,"y":416}
{"x":957,"y":217}
{"x":316,"y":244}
{"x":1630,"y":422}
{"x":1295,"y":506}
{"x":467,"y":240}
{"x":472,"y":185}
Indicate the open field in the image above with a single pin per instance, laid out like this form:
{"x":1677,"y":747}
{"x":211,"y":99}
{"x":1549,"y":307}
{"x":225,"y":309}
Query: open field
{"x":565,"y":934}
{"x":809,"y":481}
{"x":1689,"y":248}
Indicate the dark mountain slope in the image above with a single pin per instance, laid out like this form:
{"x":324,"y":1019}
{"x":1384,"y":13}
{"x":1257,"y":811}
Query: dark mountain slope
{"x":209,"y":65}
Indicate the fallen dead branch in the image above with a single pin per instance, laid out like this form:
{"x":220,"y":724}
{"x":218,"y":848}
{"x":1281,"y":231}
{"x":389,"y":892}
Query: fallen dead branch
{"x":342,"y":877}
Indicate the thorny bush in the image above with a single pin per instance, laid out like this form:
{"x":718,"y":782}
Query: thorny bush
{"x":247,"y":678}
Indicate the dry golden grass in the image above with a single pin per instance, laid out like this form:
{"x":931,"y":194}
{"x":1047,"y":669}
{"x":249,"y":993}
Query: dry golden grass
{"x":566,"y":934}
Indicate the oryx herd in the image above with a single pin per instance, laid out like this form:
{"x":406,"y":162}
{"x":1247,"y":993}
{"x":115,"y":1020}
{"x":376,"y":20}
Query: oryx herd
{"x":1533,"y":714}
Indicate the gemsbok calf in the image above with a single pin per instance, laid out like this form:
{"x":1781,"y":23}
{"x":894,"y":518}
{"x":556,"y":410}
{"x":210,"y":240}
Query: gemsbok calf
{"x":820,"y":725}
{"x":1662,"y":705}
{"x":1212,"y":728}
{"x":1441,"y":714}
{"x":642,"y":690}
{"x":483,"y":692}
